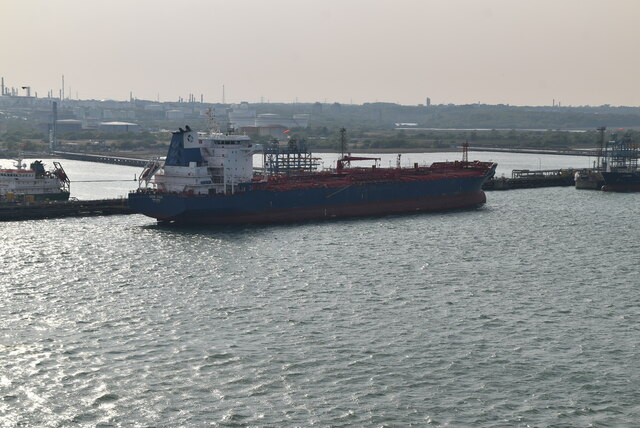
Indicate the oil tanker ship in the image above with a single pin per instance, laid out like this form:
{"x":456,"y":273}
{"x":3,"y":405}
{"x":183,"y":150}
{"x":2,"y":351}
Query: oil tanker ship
{"x":209,"y":179}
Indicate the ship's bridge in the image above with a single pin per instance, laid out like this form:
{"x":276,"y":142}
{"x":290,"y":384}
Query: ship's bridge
{"x":219,"y":138}
{"x":203,"y":164}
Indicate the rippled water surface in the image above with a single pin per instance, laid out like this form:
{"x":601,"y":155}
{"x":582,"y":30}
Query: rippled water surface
{"x":524,"y":312}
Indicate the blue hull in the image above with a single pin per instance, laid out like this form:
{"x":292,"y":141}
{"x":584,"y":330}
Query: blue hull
{"x":267,"y":206}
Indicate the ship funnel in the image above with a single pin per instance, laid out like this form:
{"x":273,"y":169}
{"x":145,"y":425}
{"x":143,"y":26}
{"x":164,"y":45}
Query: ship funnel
{"x":183,"y":148}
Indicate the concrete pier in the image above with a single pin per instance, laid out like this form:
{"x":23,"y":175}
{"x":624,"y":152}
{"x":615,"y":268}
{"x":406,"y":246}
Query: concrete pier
{"x":526,"y":179}
{"x":101,"y":158}
{"x":50,"y":209}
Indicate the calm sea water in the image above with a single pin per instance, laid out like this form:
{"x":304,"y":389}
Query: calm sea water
{"x":525,"y":312}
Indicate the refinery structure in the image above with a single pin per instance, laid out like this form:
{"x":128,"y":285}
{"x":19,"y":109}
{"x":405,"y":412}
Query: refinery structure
{"x":62,"y":113}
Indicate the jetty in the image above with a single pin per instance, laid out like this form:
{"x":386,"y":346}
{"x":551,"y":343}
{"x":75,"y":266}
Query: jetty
{"x":527,"y":179}
{"x":115,"y":160}
{"x":565,"y":152}
{"x":58,"y":209}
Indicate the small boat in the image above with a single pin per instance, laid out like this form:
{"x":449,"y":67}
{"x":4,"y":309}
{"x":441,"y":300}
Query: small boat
{"x":590,"y":179}
{"x":22,"y":184}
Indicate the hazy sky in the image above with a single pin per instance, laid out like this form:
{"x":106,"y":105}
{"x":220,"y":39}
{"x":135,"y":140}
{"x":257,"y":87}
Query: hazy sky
{"x":519,"y":52}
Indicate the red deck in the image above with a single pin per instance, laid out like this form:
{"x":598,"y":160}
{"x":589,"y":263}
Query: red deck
{"x":350,"y":176}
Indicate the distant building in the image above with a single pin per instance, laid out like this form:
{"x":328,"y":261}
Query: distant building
{"x":428,"y":101}
{"x":249,"y":130}
{"x":266,"y":119}
{"x":153,"y":107}
{"x":275,"y":131}
{"x":174,"y":114}
{"x":118,"y":114}
{"x":68,"y":125}
{"x":269,"y":119}
{"x":119,"y":127}
{"x":300,"y":120}
{"x":242,"y":116}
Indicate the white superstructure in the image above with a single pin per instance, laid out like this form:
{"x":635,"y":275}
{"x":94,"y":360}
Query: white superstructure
{"x":202,"y":164}
{"x":33,"y":181}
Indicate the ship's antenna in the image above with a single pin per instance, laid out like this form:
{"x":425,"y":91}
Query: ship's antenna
{"x":212,"y":125}
{"x":343,"y":141}
{"x":18,"y":163}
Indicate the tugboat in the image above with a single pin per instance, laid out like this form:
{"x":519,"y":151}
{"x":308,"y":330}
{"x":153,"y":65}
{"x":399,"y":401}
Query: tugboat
{"x":20,"y":184}
{"x":209,"y":179}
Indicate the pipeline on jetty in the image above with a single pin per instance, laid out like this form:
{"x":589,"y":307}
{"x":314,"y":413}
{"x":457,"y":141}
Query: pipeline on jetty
{"x":101,"y":158}
{"x":58,"y":209}
{"x":567,"y":152}
{"x":526,"y":179}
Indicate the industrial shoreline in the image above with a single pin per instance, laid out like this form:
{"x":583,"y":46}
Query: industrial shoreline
{"x":519,"y":180}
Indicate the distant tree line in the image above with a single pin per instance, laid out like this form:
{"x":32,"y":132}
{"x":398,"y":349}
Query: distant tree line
{"x":384,"y":116}
{"x":439,"y":139}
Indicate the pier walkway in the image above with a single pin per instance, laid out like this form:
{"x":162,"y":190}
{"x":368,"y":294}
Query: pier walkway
{"x":567,"y":152}
{"x":526,"y":179}
{"x":72,"y":208}
{"x":101,"y":158}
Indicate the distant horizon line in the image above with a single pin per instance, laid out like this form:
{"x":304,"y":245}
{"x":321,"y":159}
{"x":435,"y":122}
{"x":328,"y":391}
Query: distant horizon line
{"x":195,"y":102}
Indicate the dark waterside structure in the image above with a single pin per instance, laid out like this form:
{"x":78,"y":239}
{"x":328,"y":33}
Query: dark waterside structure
{"x":42,"y":210}
{"x":527,"y":179}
